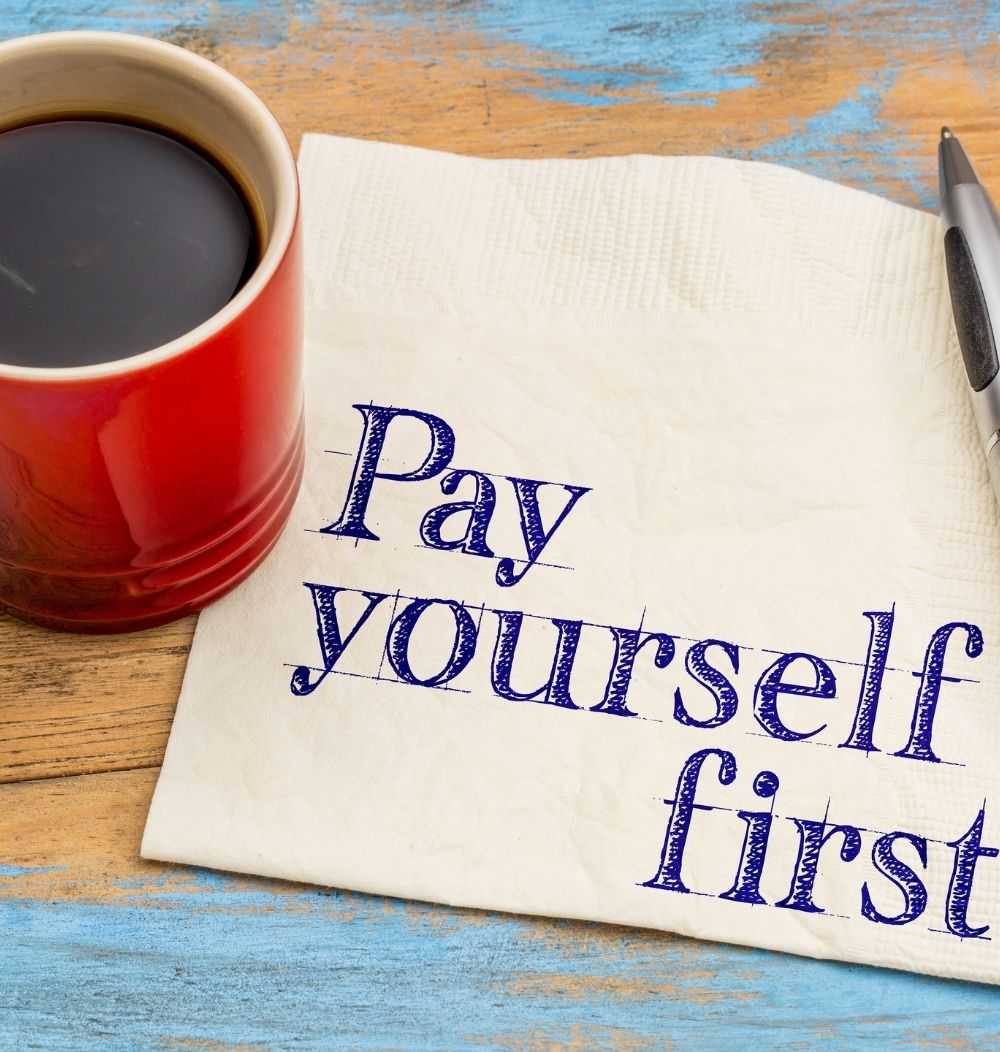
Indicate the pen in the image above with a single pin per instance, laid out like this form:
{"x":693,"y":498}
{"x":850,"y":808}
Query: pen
{"x":972,"y":257}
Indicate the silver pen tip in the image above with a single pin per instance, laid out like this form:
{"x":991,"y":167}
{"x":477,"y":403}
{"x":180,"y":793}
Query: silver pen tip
{"x":946,"y":133}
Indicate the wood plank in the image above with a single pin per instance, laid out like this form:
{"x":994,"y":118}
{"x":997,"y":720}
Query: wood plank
{"x":74,"y":704}
{"x":74,"y":837}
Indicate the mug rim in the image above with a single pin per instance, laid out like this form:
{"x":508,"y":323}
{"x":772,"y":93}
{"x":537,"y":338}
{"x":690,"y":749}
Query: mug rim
{"x":286,"y":197}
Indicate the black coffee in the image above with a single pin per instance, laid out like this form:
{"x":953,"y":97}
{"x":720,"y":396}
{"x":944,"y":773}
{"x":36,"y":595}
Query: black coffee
{"x":114,"y":239}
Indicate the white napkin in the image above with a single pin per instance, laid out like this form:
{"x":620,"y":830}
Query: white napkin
{"x":714,"y":400}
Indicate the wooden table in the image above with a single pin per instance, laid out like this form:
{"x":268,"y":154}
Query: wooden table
{"x":101,"y":950}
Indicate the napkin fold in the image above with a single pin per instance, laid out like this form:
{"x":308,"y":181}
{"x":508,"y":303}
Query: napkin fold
{"x":644,"y":569}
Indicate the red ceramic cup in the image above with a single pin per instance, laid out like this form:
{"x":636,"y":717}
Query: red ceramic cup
{"x":138,"y":490}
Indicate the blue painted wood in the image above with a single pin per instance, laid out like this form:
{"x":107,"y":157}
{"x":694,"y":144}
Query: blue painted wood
{"x":687,"y":52}
{"x":672,"y":51}
{"x":681,"y":50}
{"x":256,"y":22}
{"x":232,"y":963}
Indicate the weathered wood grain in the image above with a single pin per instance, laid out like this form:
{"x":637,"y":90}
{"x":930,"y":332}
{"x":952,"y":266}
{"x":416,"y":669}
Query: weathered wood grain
{"x":102,"y":950}
{"x":79,"y":704}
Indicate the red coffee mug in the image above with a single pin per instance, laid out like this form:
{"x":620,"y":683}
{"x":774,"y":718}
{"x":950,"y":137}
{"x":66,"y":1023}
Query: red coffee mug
{"x":135,"y":491}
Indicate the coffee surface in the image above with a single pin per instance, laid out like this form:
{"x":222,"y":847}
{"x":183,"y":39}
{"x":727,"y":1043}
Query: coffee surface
{"x":114,"y":239}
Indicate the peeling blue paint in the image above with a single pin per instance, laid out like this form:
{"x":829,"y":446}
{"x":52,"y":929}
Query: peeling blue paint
{"x":687,"y":51}
{"x":26,"y":871}
{"x":586,"y":54}
{"x":238,"y":963}
{"x":850,"y":142}
{"x":680,"y":51}
{"x":238,"y":21}
{"x":188,"y":877}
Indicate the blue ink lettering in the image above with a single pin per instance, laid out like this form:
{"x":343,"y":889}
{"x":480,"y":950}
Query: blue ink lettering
{"x":668,"y":874}
{"x":462,"y":650}
{"x":722,"y":691}
{"x":536,"y":537}
{"x":770,"y":686}
{"x":555,"y":690}
{"x":377,"y":420}
{"x":902,"y":875}
{"x":812,"y":837}
{"x":628,"y":643}
{"x":328,"y":631}
{"x":919,"y":745}
{"x":871,"y":686}
{"x":746,"y":887}
{"x":480,"y":511}
{"x":968,"y":852}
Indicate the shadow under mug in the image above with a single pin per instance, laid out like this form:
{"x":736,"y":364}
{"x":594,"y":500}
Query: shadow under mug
{"x":136,"y":491}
